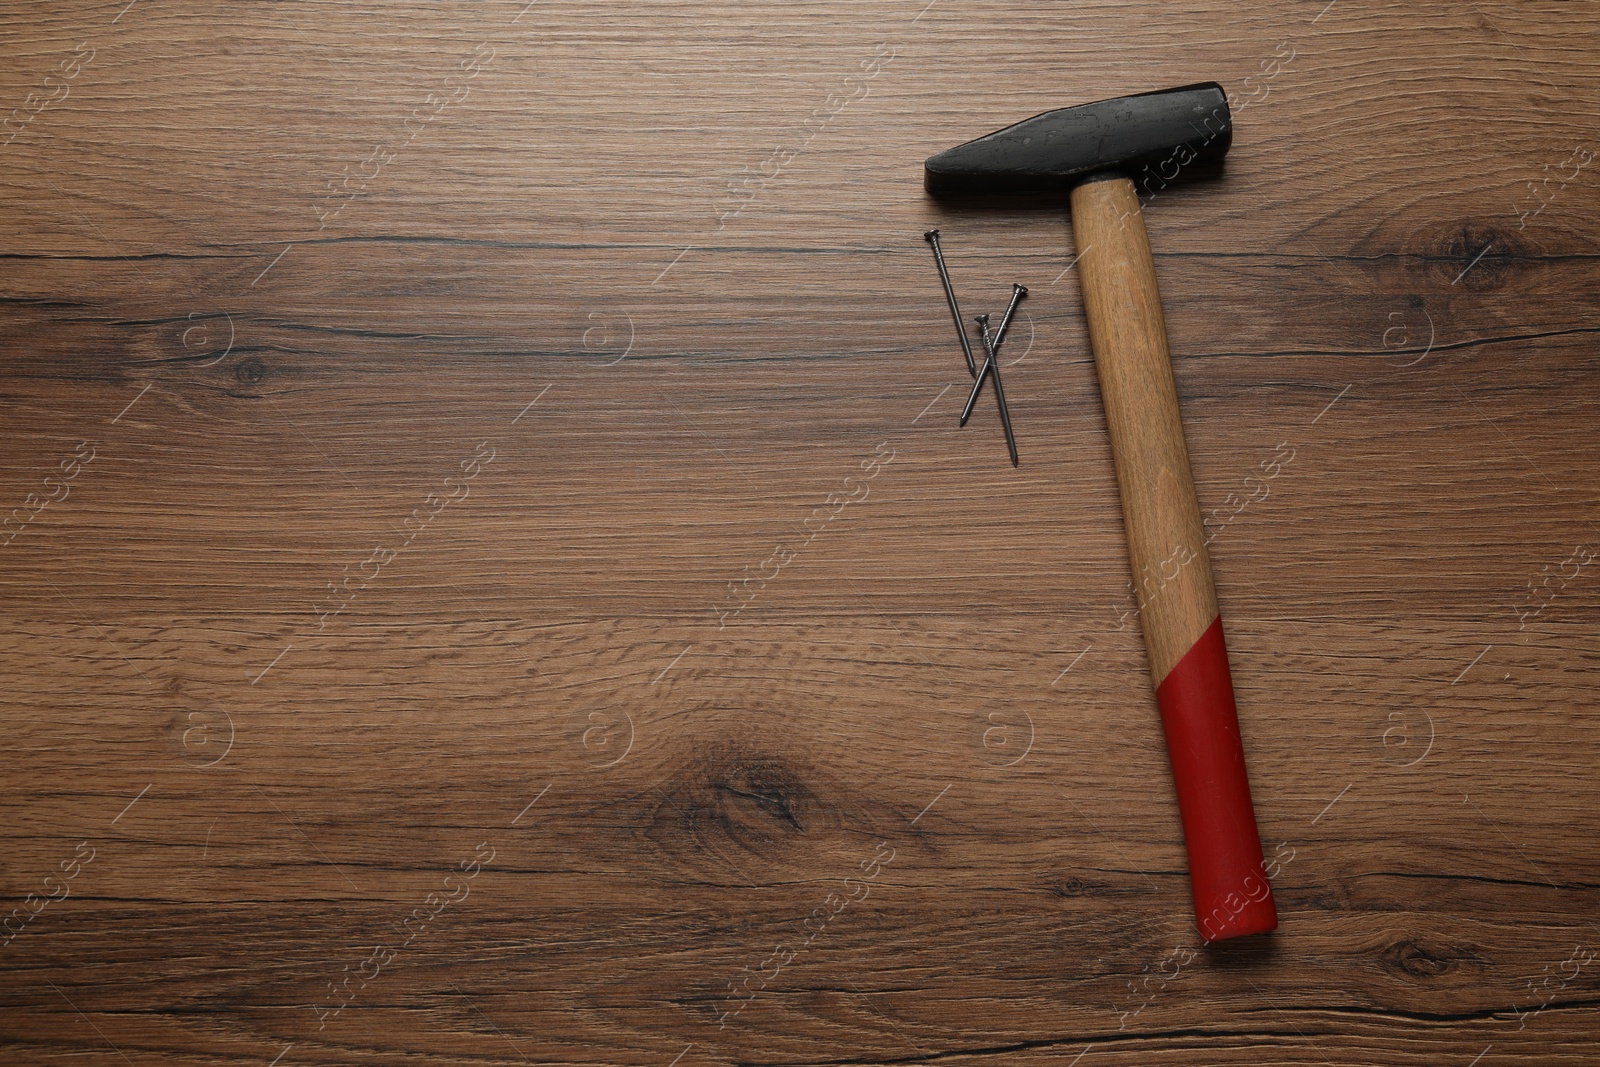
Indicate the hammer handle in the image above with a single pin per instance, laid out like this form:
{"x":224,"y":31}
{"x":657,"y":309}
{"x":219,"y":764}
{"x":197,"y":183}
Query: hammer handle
{"x":1171,"y":570}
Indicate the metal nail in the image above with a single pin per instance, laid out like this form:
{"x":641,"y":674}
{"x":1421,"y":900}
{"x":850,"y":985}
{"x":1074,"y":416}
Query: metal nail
{"x":932,"y":237}
{"x":992,"y":365}
{"x":1017,"y":293}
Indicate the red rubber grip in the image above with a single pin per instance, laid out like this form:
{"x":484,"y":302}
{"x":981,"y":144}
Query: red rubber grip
{"x":1232,"y":896}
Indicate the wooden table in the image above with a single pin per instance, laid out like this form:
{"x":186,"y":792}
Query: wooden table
{"x":495,"y":576}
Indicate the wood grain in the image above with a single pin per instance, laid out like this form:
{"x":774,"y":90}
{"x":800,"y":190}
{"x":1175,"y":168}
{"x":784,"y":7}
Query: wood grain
{"x":735,"y":606}
{"x":1128,"y":336}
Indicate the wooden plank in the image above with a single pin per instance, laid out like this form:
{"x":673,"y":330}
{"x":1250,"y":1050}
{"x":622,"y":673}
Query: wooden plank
{"x":556,"y":482}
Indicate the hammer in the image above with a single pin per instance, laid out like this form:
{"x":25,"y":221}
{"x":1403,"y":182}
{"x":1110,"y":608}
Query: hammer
{"x":1095,"y":153}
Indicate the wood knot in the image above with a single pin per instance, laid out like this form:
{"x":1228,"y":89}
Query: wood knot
{"x":1413,"y":958}
{"x":735,"y":797}
{"x":1070,"y":887}
{"x":242,"y":376}
{"x":765,"y":786}
{"x":249,"y":371}
{"x":1478,"y":257}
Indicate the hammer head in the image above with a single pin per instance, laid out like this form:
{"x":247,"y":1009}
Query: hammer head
{"x":1166,"y":133}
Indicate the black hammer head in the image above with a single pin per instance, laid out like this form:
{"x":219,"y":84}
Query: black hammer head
{"x":1168,"y":132}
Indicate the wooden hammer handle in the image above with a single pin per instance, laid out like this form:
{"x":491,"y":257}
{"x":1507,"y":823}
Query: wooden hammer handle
{"x":1171,"y":570}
